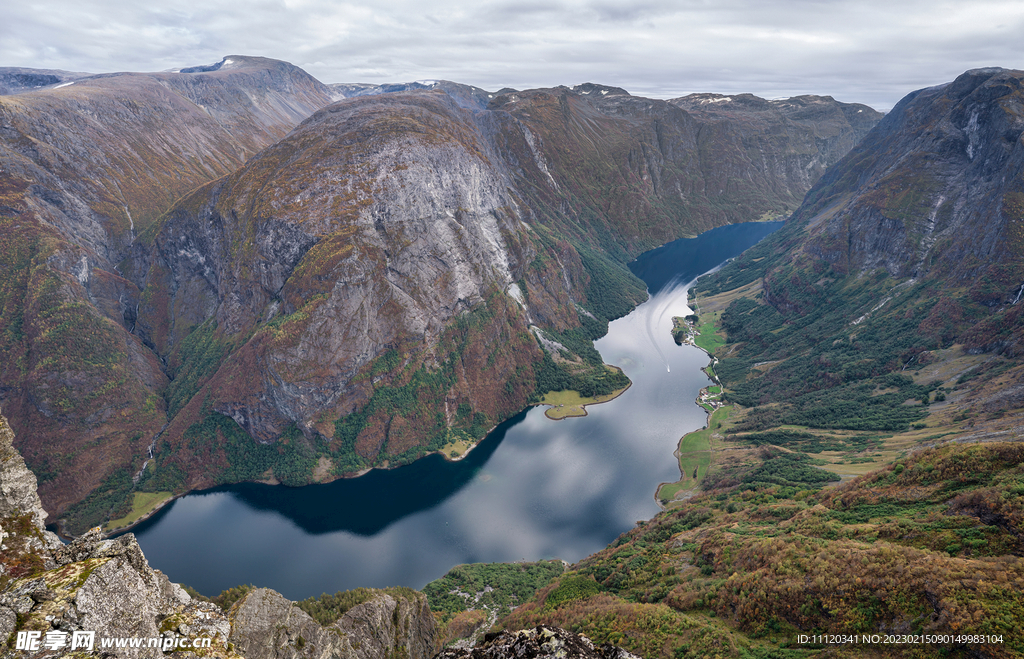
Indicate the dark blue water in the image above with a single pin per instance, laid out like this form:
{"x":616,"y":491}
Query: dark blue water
{"x":534,"y":488}
{"x":685,"y":260}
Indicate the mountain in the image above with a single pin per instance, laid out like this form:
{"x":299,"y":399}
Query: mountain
{"x":466,"y":96}
{"x":14,"y":80}
{"x":376,"y":251}
{"x":83,"y":168}
{"x":896,"y":284}
{"x":945,"y":164}
{"x":796,"y":139}
{"x":194,"y":295}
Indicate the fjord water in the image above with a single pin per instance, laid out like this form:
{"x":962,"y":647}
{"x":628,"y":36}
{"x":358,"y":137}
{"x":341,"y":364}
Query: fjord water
{"x":534,"y":488}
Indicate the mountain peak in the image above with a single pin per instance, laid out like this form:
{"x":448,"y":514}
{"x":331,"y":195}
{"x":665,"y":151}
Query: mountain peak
{"x":601,"y":90}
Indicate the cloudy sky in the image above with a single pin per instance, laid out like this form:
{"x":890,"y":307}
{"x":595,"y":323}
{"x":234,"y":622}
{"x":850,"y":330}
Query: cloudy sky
{"x":867,"y":51}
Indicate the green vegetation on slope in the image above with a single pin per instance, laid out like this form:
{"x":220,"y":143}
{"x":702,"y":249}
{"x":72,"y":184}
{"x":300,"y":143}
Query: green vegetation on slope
{"x":290,"y":460}
{"x":498,"y":587}
{"x":842,"y":348}
{"x":613,"y":290}
{"x":413,"y":393}
{"x":931,"y":544}
{"x":199,"y":356}
{"x":108,"y":500}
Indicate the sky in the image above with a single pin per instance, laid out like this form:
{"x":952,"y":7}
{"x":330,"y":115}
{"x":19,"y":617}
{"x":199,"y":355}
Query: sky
{"x":868,"y":51}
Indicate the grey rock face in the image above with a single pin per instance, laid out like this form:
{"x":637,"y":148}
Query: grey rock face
{"x":85,"y":167}
{"x":395,"y":236}
{"x":935,"y":188}
{"x":265,"y":625}
{"x":17,"y":484}
{"x":389,"y":626}
{"x":540,"y":643}
{"x":791,"y":141}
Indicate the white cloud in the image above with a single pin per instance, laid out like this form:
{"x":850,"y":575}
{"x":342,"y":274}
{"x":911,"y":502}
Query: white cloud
{"x":871,"y":51}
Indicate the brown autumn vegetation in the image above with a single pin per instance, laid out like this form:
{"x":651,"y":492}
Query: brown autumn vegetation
{"x":929,"y":545}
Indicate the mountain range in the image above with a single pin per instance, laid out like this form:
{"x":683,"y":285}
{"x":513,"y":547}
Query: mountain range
{"x":226,"y":273}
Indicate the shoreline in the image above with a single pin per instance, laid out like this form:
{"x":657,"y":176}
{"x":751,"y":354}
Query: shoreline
{"x":707,"y":370}
{"x":159,"y":507}
{"x":582,"y":406}
{"x":121,"y":530}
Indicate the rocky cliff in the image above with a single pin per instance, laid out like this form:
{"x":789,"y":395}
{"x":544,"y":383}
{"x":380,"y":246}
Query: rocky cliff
{"x":106,"y":586}
{"x":267,"y":626}
{"x":947,"y":163}
{"x":363,"y":290}
{"x":542,"y":642}
{"x":789,"y":141}
{"x":646,"y":171}
{"x":15,"y":79}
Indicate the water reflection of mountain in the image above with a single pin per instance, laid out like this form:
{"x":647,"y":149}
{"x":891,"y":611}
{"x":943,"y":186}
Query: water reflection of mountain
{"x":368,"y":504}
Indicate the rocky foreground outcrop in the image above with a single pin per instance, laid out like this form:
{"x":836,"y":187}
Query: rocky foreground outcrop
{"x":106,"y":586}
{"x":265,"y":625}
{"x":539,"y":643}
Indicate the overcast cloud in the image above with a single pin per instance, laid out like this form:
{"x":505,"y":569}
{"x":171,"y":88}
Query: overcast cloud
{"x":867,"y":51}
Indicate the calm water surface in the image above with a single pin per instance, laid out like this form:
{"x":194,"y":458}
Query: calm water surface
{"x":534,"y":488}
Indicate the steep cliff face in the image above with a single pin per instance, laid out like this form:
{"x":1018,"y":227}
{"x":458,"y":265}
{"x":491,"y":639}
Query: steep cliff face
{"x":937,"y":189}
{"x":107,"y":587}
{"x":790,"y":142}
{"x":93,"y":584}
{"x":86,"y":165}
{"x":649,"y":171}
{"x":379,"y":245}
{"x":936,"y":194}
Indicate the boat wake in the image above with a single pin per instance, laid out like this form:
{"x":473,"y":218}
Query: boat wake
{"x":654,"y":319}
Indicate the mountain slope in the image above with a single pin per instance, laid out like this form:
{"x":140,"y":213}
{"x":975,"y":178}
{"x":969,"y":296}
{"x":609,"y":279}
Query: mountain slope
{"x":639,"y":172}
{"x":890,"y":303}
{"x":925,"y":554}
{"x":796,"y":139}
{"x":83,"y":168}
{"x":377,"y":251}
